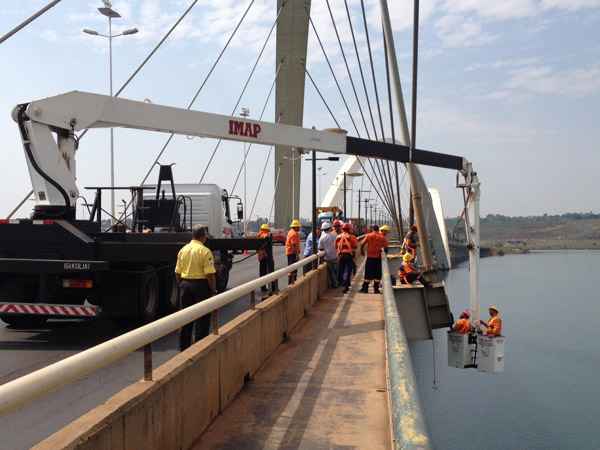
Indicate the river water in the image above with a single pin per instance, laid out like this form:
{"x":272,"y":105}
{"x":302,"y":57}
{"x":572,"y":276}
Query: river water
{"x":548,"y":397}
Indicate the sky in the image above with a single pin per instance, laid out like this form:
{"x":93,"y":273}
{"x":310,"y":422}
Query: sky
{"x":512,"y":85}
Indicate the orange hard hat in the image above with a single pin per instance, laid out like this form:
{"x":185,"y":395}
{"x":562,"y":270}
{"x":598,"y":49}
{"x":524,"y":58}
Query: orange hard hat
{"x":346,"y":227}
{"x":337,"y":223}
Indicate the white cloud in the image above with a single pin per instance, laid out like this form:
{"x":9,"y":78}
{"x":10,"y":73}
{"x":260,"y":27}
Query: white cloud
{"x":570,"y":5}
{"x":458,"y":31}
{"x":545,"y":80}
{"x":499,"y":10}
{"x":503,"y":63}
{"x":49,"y":35}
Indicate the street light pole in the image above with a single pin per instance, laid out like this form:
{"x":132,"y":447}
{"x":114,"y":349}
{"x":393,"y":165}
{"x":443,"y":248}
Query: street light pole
{"x":111,"y":14}
{"x":112,"y":133}
{"x":314,"y":204}
{"x":245,"y":113}
{"x":345,"y":212}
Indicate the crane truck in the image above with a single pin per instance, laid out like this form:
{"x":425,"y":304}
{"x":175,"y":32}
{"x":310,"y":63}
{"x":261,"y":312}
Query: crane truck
{"x":56,"y":265}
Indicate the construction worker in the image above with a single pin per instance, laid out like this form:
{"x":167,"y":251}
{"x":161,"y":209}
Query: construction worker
{"x":494,"y":325}
{"x":408,"y":273}
{"x":346,"y":244}
{"x":292,"y":248}
{"x":337,"y":227}
{"x":327,"y":245}
{"x":375,"y":242}
{"x":463,"y":324}
{"x":195,"y":273}
{"x":266,"y":264}
{"x":308,"y":249}
{"x":409,"y":245}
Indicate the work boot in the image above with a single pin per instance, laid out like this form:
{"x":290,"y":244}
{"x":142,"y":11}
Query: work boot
{"x":346,"y":289}
{"x":376,"y":287}
{"x":365,"y":287}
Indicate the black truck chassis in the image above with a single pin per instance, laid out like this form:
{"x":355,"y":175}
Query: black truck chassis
{"x":75,"y":265}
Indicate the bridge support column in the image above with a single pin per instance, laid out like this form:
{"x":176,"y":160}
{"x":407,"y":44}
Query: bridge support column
{"x":292,"y":37}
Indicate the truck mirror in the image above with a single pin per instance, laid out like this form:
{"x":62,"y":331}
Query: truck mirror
{"x":240,"y":211}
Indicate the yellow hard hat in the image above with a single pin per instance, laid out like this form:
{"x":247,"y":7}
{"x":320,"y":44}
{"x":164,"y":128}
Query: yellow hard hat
{"x":407,"y":257}
{"x":265,"y":227}
{"x":295,"y":224}
{"x":385,"y":228}
{"x":494,"y":307}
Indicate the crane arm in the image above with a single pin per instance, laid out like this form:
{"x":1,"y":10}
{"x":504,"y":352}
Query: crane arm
{"x":51,"y":161}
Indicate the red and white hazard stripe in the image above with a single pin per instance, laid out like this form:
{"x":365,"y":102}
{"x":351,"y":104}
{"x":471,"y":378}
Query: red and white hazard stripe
{"x":49,"y":310}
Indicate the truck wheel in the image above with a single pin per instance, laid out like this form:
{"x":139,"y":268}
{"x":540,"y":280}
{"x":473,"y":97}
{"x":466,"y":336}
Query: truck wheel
{"x":23,"y":322}
{"x":149,"y":297}
{"x":169,"y":294}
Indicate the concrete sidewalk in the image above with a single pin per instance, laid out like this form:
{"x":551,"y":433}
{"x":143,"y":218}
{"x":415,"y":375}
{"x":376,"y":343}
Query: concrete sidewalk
{"x":325,"y":388}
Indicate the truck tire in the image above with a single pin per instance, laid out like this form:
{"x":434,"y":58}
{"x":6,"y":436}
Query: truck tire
{"x":23,"y":322}
{"x":169,"y":294}
{"x":149,"y":297}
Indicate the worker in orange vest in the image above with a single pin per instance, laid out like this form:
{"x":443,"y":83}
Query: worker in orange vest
{"x":292,"y":248}
{"x":346,"y":244}
{"x":375,"y":243}
{"x":494,"y":325}
{"x":337,"y":227}
{"x":409,"y":245}
{"x":463,"y":324}
{"x":266,"y":264}
{"x":408,"y":273}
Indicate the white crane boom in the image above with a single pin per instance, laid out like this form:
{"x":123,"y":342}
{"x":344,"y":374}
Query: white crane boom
{"x":51,"y":162}
{"x":75,"y":111}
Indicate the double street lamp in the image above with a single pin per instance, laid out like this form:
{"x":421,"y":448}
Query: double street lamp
{"x":348,"y":174}
{"x":111,"y":14}
{"x":314,"y":160}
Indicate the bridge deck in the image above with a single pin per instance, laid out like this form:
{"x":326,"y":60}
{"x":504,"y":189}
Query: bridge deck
{"x":323,"y":389}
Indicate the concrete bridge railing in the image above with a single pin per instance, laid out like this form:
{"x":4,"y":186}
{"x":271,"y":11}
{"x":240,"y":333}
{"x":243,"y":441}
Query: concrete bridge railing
{"x":187,"y":392}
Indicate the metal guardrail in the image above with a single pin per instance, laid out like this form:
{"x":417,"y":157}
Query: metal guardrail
{"x":22,"y":390}
{"x":408,"y":424}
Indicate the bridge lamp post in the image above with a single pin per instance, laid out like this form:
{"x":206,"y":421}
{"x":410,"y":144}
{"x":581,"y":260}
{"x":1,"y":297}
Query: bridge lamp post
{"x":348,"y":174}
{"x":245,"y":113}
{"x":314,"y":160}
{"x":360,"y":191}
{"x":111,"y":14}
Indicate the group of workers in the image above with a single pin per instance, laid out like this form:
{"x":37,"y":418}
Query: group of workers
{"x":196,"y":275}
{"x":493,"y":327}
{"x":339,"y":245}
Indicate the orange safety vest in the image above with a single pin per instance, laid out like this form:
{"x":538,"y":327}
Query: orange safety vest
{"x":375,"y":243}
{"x":346,"y":243}
{"x":494,"y":327}
{"x":409,"y":268}
{"x":292,"y":243}
{"x":262,"y":252}
{"x":462,"y":326}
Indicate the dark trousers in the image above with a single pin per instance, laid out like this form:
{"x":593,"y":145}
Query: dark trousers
{"x":190,"y":293}
{"x":292,"y":275}
{"x":345,"y":268}
{"x":307,"y":268}
{"x":266,"y":266}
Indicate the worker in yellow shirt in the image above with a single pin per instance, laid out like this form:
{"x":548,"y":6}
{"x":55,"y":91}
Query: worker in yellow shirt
{"x":494,"y":325}
{"x":292,"y":248}
{"x":195,"y":272}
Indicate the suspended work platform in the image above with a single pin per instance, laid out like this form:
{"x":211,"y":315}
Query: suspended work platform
{"x":324,"y":388}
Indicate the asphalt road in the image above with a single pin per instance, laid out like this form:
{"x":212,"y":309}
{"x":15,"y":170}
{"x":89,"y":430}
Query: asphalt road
{"x":23,"y":351}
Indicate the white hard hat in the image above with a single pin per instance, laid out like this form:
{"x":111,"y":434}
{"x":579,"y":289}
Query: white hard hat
{"x":325,"y":226}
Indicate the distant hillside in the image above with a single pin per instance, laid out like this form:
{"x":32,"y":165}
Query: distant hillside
{"x":572,"y":230}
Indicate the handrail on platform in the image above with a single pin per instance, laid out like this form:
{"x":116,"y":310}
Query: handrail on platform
{"x":409,"y":431}
{"x":22,"y":390}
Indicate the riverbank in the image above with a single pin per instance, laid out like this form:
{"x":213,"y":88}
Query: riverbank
{"x":498,"y":248}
